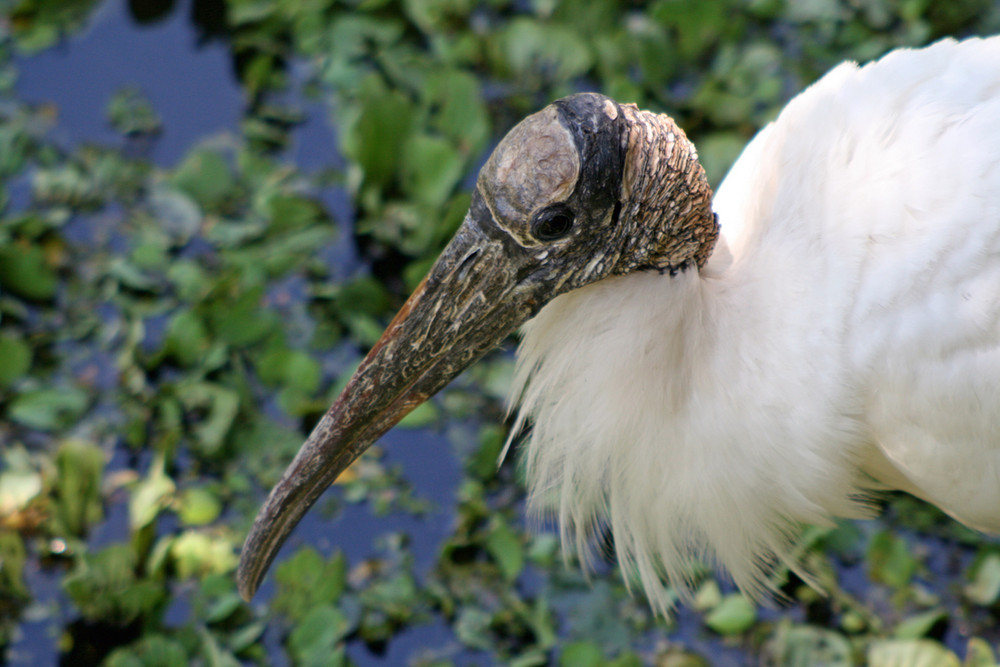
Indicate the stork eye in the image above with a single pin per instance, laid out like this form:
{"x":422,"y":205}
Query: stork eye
{"x":552,"y":223}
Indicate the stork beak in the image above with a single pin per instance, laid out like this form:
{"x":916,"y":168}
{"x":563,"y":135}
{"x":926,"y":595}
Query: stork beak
{"x":471,"y":299}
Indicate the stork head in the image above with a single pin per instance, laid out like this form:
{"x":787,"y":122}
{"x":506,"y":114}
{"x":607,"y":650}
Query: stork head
{"x":584,"y":189}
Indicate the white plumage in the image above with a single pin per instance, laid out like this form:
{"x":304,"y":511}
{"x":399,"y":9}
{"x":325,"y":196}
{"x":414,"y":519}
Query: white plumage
{"x":703,"y":396}
{"x":843,"y":336}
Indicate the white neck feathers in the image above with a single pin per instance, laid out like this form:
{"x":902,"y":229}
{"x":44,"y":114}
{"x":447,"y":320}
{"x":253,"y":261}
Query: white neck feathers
{"x":633,"y":385}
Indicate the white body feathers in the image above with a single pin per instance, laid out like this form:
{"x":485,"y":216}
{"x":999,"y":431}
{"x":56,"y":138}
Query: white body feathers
{"x":844,"y":336}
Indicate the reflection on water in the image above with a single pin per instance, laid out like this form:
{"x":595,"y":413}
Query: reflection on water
{"x":188,"y":80}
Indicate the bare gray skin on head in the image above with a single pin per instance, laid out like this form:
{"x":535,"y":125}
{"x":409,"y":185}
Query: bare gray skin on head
{"x":535,"y":165}
{"x":582,"y":190}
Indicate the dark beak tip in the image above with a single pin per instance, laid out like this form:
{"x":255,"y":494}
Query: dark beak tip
{"x":248,"y":572}
{"x":246,"y":586}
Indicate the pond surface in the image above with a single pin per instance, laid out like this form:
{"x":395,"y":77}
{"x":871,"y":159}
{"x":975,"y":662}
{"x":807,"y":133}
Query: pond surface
{"x":191,"y":84}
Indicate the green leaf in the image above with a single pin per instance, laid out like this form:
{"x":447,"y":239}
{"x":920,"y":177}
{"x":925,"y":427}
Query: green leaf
{"x":25,"y":272}
{"x":149,"y":651}
{"x":289,"y":211}
{"x":984,"y":589}
{"x":581,"y":654}
{"x":506,"y":550}
{"x":234,"y":234}
{"x":150,"y":255}
{"x":176,"y":211}
{"x":472,"y":628}
{"x":15,"y":146}
{"x":733,"y":616}
{"x":225,"y":605}
{"x":290,"y":368}
{"x":421,"y":416}
{"x":718,"y":151}
{"x":808,"y":646}
{"x":198,"y":507}
{"x":150,"y":496}
{"x":363,"y":328}
{"x":105,"y":588}
{"x":131,"y":113}
{"x":316,"y":639}
{"x":890,"y":560}
{"x":845,"y":541}
{"x":653,"y":48}
{"x":708,"y":595}
{"x":529,"y":47}
{"x":17,"y":357}
{"x":806,"y":11}
{"x":261,"y":73}
{"x":416,"y":271}
{"x":431,"y":168}
{"x":80,"y":468}
{"x":363,"y":295}
{"x":697,"y":25}
{"x":73,"y":185}
{"x":239,"y":320}
{"x":48,"y":409}
{"x":434,"y":16}
{"x":220,"y":405}
{"x":131,"y":275}
{"x":197,"y":553}
{"x":678,"y":657}
{"x":379,"y":132}
{"x":243,"y":638}
{"x":919,"y":625}
{"x":543,"y":549}
{"x":482,"y":464}
{"x":910,"y":653}
{"x":394,"y":598}
{"x":499,"y":375}
{"x":206,"y":176}
{"x":593,"y":616}
{"x":13,"y":557}
{"x":632,"y":660}
{"x":460,"y":113}
{"x":307,"y":580}
{"x":285,"y":253}
{"x":979,"y":654}
{"x":542,"y":622}
{"x":216,"y":655}
{"x":39,"y":35}
{"x":20,"y":480}
{"x":187,"y":338}
{"x":189,"y":280}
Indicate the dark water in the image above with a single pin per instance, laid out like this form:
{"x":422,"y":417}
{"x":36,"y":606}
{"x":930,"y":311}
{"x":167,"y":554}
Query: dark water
{"x":191,"y":85}
{"x":190,"y":82}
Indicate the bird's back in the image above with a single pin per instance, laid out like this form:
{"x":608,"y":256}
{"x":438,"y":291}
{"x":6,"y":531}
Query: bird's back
{"x":886,"y":179}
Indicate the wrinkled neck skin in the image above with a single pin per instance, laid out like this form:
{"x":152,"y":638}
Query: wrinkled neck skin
{"x":666,"y":202}
{"x":660,"y":405}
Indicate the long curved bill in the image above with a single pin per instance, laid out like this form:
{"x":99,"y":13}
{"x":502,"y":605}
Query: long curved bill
{"x":466,"y":305}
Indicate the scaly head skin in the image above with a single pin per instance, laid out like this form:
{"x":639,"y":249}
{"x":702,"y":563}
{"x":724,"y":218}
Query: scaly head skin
{"x":584,"y":189}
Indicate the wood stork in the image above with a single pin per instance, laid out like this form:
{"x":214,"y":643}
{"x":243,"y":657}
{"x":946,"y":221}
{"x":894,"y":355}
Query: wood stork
{"x":701,"y":394}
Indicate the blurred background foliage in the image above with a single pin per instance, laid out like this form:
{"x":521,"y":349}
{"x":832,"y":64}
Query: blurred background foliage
{"x":171,"y":328}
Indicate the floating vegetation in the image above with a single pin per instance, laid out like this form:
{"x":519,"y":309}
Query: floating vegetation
{"x":170,"y":328}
